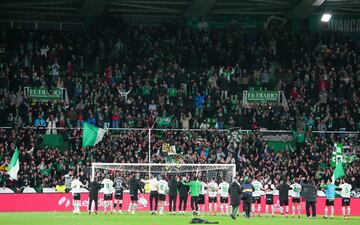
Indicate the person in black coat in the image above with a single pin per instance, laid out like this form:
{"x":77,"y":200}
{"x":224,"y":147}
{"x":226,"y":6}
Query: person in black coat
{"x":284,"y":188}
{"x":173,"y":189}
{"x":235,"y":197}
{"x":309,"y":194}
{"x":183,"y":195}
{"x":94,"y":187}
{"x":134,"y":186}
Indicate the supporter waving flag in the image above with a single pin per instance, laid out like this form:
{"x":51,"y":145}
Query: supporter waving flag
{"x":92,"y":135}
{"x":164,"y":120}
{"x":14,"y":165}
{"x":337,"y":154}
{"x":338,"y":172}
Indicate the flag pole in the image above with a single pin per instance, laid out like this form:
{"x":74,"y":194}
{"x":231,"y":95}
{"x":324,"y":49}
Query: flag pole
{"x":149,"y":151}
{"x":152,"y":126}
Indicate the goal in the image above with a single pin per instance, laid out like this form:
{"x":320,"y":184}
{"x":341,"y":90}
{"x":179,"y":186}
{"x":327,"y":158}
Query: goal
{"x":206,"y":172}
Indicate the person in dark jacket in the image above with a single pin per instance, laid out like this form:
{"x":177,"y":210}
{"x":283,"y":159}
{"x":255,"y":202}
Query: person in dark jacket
{"x":134,"y":186}
{"x":284,"y":188}
{"x":94,"y":187}
{"x":173,"y":189}
{"x":235,"y":197}
{"x":309,"y":194}
{"x":247,"y":189}
{"x":183,"y":195}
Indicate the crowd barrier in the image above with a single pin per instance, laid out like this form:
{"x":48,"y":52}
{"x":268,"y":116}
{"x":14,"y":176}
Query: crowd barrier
{"x":63,"y":202}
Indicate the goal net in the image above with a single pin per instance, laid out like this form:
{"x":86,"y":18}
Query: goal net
{"x":205,"y":172}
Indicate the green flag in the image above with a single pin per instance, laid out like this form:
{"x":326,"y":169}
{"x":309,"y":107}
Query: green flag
{"x":337,"y":154}
{"x":14,"y":165}
{"x":164,"y":120}
{"x":92,"y":135}
{"x":338,"y":172}
{"x":333,"y":159}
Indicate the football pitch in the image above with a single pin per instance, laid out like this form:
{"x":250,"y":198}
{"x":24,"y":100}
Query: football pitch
{"x":142,"y":218}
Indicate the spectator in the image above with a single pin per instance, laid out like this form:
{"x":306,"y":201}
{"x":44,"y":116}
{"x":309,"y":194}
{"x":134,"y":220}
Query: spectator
{"x":51,"y":125}
{"x":40,"y":122}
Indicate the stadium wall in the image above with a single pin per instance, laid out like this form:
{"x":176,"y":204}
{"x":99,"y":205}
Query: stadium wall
{"x":63,"y":202}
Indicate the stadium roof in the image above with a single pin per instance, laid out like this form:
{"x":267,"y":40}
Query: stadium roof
{"x":160,"y":11}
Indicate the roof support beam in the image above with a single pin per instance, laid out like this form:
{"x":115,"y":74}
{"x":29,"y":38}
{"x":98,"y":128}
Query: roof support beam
{"x":147,"y":2}
{"x":303,"y":9}
{"x":33,"y":3}
{"x":122,"y":5}
{"x":199,"y":8}
{"x":92,"y":7}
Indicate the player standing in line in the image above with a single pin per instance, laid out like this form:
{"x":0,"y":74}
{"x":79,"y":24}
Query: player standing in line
{"x":269,"y":198}
{"x":224,"y":197}
{"x":119,"y":185}
{"x":345,"y":194}
{"x":195,"y":188}
{"x":202,"y":197}
{"x":108,"y":193}
{"x":163,"y":188}
{"x":75,"y":189}
{"x":154,"y":194}
{"x":173,"y":184}
{"x":212,"y":193}
{"x":94,"y":187}
{"x":330,"y":196}
{"x":183,"y":195}
{"x":296,"y":190}
{"x":134,"y":187}
{"x":256,"y":200}
{"x":284,"y":196}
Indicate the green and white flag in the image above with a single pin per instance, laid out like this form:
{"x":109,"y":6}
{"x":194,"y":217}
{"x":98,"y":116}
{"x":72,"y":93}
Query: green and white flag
{"x":338,"y":172}
{"x":164,"y":120}
{"x":337,"y":154}
{"x":235,"y":136}
{"x":14,"y":165}
{"x":92,"y":135}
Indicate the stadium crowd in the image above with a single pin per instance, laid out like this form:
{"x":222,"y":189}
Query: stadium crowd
{"x":47,"y":167}
{"x":126,"y":77}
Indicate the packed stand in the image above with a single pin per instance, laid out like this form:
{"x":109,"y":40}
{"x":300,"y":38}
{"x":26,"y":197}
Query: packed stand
{"x":46,"y":167}
{"x":127,"y":77}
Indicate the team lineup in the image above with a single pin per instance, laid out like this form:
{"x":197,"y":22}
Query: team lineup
{"x":224,"y":198}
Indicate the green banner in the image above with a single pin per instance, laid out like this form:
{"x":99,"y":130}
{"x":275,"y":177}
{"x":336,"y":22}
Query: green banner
{"x":43,"y":94}
{"x":53,"y":141}
{"x":220,"y":22}
{"x":278,"y":141}
{"x":261,"y":96}
{"x":345,"y":24}
{"x":164,"y":120}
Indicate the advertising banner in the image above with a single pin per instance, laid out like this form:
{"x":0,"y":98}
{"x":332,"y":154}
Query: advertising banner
{"x":344,"y":24}
{"x":43,"y":94}
{"x":220,"y":22}
{"x":278,"y":141}
{"x":261,"y":96}
{"x":63,"y":202}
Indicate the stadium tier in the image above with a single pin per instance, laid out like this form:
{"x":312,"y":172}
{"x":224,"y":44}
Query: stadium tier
{"x":149,"y":108}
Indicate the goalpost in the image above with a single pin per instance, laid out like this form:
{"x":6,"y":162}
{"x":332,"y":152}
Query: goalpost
{"x":206,"y":172}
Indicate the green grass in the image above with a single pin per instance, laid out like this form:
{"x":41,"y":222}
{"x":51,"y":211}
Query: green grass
{"x":67,"y":218}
